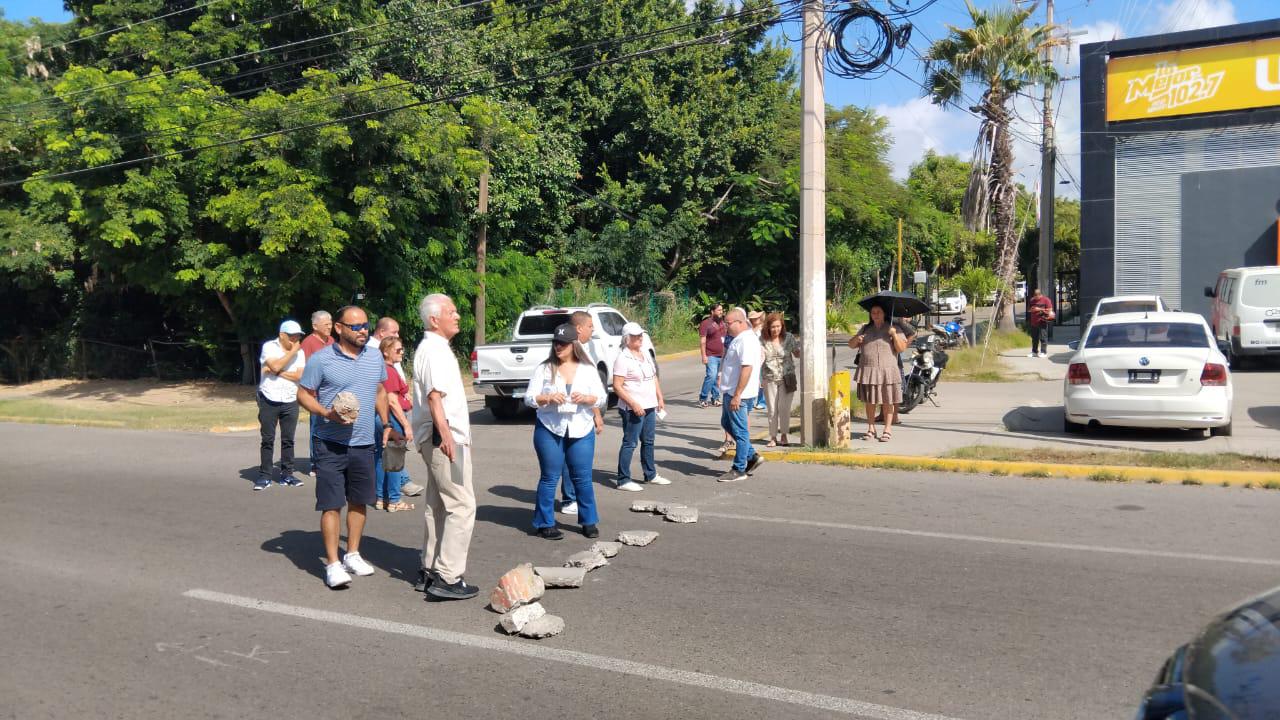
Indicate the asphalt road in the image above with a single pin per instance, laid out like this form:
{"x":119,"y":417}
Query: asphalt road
{"x":143,"y":579}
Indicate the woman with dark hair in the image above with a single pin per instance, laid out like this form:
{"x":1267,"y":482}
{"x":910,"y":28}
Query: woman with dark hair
{"x":780,"y":352}
{"x":878,"y":379}
{"x":564,"y":390}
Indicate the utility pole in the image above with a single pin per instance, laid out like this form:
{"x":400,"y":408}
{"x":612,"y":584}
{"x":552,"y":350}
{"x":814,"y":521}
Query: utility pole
{"x":813,"y":230}
{"x":482,"y":245}
{"x":1045,"y":275}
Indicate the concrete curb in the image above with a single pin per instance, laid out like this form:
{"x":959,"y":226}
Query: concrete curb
{"x":678,"y":355}
{"x":233,"y":428}
{"x":1118,"y":473}
{"x":62,"y":421}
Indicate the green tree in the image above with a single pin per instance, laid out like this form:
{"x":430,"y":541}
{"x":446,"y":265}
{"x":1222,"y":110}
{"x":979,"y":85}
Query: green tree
{"x":1002,"y":54}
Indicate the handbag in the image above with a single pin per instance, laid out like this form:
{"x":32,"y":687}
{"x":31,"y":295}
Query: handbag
{"x":393,"y":455}
{"x":789,"y":382}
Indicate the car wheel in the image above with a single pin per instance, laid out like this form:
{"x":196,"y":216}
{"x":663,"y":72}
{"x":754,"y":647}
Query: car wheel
{"x":1223,"y":431}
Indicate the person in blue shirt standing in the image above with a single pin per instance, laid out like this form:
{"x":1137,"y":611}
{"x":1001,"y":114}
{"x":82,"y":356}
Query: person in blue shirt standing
{"x":345,"y":451}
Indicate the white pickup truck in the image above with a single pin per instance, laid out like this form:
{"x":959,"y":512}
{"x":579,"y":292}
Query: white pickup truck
{"x":500,"y":371}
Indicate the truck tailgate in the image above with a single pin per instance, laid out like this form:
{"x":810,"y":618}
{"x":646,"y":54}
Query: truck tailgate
{"x":509,"y":363}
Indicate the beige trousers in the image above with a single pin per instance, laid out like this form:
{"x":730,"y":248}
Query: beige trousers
{"x":775,"y":393}
{"x":450,"y":514}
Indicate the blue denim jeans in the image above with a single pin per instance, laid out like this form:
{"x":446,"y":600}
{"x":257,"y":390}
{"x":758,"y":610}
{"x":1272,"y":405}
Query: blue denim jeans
{"x":557,"y":455}
{"x":637,"y":429}
{"x":708,"y":391}
{"x":386,"y":484}
{"x":735,"y":423}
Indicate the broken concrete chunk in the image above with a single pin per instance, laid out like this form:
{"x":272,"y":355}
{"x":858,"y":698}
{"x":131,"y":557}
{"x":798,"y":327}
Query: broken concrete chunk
{"x":664,"y":508}
{"x":347,"y":405}
{"x":606,"y":548}
{"x":542,"y":627}
{"x":682,"y":515}
{"x":638,"y":538}
{"x":644,"y":506}
{"x":519,"y":586}
{"x":561,"y":577}
{"x":514,"y":621}
{"x":587,"y":560}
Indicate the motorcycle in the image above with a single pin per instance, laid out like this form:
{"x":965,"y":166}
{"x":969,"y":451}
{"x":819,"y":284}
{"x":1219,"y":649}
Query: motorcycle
{"x":926,"y":367}
{"x":952,"y":334}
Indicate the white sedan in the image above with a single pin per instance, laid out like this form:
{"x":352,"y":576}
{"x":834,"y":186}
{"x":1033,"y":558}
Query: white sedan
{"x":952,"y":301}
{"x":1151,"y":370}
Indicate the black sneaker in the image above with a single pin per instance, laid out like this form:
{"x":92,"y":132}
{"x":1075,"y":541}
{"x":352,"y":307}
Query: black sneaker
{"x":425,"y":578}
{"x":457,"y":591}
{"x":550,"y":533}
{"x":289,"y":480}
{"x":754,"y":463}
{"x":732,"y":476}
{"x":263,"y":483}
{"x":591,"y":531}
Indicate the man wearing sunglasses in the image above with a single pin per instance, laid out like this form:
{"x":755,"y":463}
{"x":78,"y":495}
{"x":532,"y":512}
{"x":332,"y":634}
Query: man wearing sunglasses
{"x":345,"y":449}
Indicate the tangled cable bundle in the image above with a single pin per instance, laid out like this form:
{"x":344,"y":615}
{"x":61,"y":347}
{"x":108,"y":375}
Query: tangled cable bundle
{"x":862,"y":37}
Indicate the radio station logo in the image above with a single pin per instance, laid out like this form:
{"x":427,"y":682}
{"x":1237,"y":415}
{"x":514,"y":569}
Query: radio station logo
{"x":1169,"y":86}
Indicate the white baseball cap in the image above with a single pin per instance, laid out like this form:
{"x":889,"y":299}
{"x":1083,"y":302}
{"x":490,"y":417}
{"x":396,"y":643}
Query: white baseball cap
{"x":291,"y":327}
{"x":632,"y":328}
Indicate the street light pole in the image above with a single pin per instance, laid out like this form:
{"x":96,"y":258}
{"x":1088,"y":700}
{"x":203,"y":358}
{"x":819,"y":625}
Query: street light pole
{"x":1048,"y":156}
{"x":813,"y":231}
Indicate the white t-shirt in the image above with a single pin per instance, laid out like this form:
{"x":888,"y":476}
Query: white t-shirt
{"x":640,"y":378}
{"x":744,"y":350}
{"x":272,"y":386}
{"x":435,"y":368}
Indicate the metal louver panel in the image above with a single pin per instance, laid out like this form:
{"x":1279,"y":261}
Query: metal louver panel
{"x":1148,"y":199}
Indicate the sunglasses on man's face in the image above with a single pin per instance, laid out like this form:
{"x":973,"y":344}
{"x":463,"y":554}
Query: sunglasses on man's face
{"x":356,"y":327}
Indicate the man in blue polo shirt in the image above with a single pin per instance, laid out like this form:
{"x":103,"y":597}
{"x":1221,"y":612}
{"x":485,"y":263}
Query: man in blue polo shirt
{"x":344,"y":453}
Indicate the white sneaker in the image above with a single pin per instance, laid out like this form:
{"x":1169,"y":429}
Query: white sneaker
{"x":659,"y":480}
{"x":570,"y":508}
{"x":1031,"y":354}
{"x":1044,"y":354}
{"x":356,"y":564}
{"x":335,"y":576}
{"x":630,"y":486}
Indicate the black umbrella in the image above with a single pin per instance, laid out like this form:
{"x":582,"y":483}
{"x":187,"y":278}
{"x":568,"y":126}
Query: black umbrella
{"x":896,"y":304}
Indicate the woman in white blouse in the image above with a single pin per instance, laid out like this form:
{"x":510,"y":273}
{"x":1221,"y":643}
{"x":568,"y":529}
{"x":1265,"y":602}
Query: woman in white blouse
{"x":564,"y":389}
{"x":635,"y":380}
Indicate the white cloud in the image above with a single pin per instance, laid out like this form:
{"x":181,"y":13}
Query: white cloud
{"x":1178,"y":15}
{"x":918,"y":125}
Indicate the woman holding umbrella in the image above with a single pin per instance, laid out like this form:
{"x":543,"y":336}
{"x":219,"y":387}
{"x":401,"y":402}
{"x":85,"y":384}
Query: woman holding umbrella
{"x":877,"y":377}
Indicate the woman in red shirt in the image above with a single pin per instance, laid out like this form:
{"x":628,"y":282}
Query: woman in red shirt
{"x":399,"y":404}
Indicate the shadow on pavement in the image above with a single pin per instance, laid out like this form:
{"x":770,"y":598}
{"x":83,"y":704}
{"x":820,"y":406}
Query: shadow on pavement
{"x":1048,"y":420}
{"x":305,"y":549}
{"x":1267,"y":416}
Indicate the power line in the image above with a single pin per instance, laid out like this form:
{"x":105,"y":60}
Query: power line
{"x":127,"y":26}
{"x":720,"y":37}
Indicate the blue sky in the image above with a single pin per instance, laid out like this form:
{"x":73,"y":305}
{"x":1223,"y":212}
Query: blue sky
{"x":916,"y":124}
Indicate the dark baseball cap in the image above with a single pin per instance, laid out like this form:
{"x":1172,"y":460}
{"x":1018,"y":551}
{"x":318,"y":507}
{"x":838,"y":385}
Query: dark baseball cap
{"x":565,"y":333}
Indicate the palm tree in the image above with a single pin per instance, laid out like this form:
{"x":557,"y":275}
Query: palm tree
{"x":1002,"y":54}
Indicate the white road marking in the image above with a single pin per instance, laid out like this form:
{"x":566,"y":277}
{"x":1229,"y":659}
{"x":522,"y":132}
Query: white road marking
{"x":868,"y":711}
{"x":1002,"y":541}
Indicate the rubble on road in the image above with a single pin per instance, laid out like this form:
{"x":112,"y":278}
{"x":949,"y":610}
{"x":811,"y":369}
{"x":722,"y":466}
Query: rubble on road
{"x":519,"y":586}
{"x":588,"y":560}
{"x":644,"y":506}
{"x":606,"y":548}
{"x":682,"y":515}
{"x":515,"y":620}
{"x":638,"y":538}
{"x":561,"y":577}
{"x":543,"y":627}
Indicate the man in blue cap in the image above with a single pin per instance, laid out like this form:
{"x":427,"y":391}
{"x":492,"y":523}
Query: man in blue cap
{"x":282,"y":363}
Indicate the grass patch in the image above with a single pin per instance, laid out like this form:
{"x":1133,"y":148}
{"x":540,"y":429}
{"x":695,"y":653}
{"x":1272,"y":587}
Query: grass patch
{"x":1154,"y":481}
{"x":970,"y":364}
{"x":1038,"y":474}
{"x":1271,"y":485}
{"x":1129,"y":458}
{"x":999,"y":471}
{"x":131,"y":416}
{"x":1106,"y":477}
{"x":1191,"y":481}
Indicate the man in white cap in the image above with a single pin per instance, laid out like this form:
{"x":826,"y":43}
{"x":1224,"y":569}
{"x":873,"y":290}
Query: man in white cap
{"x":282,"y":363}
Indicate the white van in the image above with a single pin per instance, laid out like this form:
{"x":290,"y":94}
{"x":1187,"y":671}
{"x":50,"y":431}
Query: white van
{"x":1246,"y":312}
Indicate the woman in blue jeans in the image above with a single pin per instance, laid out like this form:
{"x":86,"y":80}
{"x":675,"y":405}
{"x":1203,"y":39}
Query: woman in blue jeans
{"x":563,"y":390}
{"x":635,"y":380}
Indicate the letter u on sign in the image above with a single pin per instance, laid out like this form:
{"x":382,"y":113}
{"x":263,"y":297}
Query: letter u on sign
{"x":1265,"y":74}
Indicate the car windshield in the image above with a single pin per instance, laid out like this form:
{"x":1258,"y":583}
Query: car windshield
{"x":541,"y":324}
{"x":950,"y":293}
{"x":1147,"y":334}
{"x":1261,"y":290}
{"x":1234,"y":664}
{"x":1127,"y":306}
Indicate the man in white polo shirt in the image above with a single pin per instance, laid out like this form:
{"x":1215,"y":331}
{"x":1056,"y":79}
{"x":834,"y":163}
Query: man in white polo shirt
{"x":442,"y":429}
{"x":282,"y":363}
{"x":739,"y":386}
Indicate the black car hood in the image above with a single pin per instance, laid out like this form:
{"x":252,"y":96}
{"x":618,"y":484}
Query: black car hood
{"x":1232,"y":669}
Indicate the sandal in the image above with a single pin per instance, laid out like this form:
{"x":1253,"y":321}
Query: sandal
{"x":887,"y":436}
{"x":771,"y":444}
{"x":398,"y":506}
{"x":870,"y":435}
{"x":378,"y":505}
